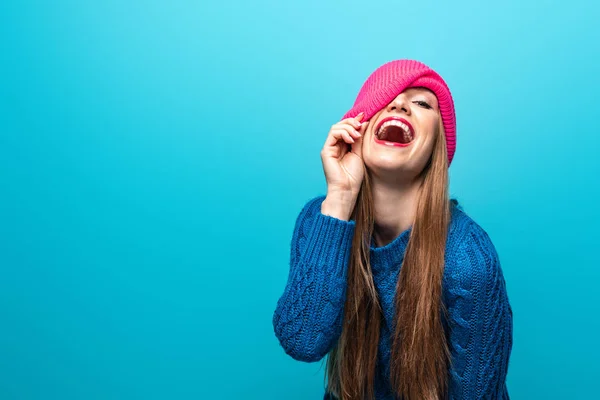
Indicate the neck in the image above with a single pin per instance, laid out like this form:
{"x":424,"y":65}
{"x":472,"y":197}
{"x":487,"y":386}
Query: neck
{"x":395,"y":209}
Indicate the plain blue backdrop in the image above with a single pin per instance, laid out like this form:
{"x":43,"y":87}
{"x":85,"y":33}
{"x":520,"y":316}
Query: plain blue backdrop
{"x":154,"y":157}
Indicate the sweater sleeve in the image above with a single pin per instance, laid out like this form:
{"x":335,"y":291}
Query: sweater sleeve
{"x":308,"y":316}
{"x":481,"y":321}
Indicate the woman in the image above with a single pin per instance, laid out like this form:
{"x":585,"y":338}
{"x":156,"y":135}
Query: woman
{"x":388,"y":276}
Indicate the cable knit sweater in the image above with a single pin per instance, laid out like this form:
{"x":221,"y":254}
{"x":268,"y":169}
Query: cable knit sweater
{"x":308,"y":316}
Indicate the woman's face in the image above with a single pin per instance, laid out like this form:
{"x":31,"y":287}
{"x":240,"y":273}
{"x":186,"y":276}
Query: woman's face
{"x":399,"y":138}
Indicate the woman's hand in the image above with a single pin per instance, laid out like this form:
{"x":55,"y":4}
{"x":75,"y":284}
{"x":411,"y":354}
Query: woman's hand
{"x":343,"y":166}
{"x":342,"y":157}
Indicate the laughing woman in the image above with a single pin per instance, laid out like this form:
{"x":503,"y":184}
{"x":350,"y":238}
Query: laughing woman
{"x":390,"y":278}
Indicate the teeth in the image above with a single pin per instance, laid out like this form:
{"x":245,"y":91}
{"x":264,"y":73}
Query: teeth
{"x":407,"y":135}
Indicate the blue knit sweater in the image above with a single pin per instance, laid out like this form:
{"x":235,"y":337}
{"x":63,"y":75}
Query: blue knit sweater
{"x":308,"y":316}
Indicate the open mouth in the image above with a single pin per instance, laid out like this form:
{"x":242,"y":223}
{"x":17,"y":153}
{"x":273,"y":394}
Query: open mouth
{"x":394,"y":131}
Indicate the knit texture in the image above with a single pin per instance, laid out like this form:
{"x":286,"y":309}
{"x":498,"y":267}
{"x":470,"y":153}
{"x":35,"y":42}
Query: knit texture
{"x":308,"y":317}
{"x":391,"y":79}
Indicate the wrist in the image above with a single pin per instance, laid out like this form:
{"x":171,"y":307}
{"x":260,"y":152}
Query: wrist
{"x":338,"y":205}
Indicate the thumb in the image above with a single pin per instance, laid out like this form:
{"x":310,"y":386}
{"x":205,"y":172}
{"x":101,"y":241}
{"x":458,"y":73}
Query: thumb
{"x":357,"y":145}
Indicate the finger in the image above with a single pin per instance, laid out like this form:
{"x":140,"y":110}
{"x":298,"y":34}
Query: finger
{"x":336,"y":135}
{"x":363,"y":127}
{"x":356,"y":147}
{"x":337,"y":150}
{"x":347,"y":137}
{"x":354,"y":122}
{"x":351,"y":131}
{"x":357,"y":118}
{"x":333,"y":137}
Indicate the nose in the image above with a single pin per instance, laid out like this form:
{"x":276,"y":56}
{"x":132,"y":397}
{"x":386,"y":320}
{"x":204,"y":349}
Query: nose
{"x":399,"y":104}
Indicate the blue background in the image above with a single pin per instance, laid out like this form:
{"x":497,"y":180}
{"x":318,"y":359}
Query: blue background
{"x":154,"y":157}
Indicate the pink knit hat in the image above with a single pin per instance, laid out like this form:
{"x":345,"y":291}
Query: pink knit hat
{"x":389,"y":80}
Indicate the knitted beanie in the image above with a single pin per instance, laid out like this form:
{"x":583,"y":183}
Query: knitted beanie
{"x":391,"y":79}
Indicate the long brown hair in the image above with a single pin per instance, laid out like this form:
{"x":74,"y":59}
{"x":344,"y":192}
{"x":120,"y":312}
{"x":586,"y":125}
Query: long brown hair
{"x":420,"y":356}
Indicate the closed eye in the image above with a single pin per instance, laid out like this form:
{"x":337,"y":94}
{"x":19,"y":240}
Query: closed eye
{"x":423,"y":103}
